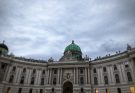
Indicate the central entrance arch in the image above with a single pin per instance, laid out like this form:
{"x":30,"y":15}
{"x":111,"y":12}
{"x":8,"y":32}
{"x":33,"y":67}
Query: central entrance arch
{"x":68,"y":87}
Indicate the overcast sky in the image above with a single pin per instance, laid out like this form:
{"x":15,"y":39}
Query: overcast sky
{"x":41,"y":29}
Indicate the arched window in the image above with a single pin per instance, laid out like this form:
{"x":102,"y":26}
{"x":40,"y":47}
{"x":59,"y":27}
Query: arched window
{"x":81,"y":80}
{"x":8,"y":90}
{"x":22,"y":80}
{"x":81,"y":90}
{"x":14,"y":68}
{"x":41,"y":91}
{"x":52,"y":89}
{"x":24,"y":70}
{"x":30,"y":91}
{"x":94,"y":70}
{"x":117,"y":78}
{"x":54,"y":81}
{"x":42,"y":81}
{"x":95,"y":81}
{"x":20,"y":90}
{"x":34,"y":71}
{"x":129,"y":77}
{"x":106,"y":79}
{"x":118,"y":90}
{"x":104,"y":69}
{"x":11,"y":79}
{"x":115,"y":67}
{"x":43,"y":72}
{"x":32,"y":80}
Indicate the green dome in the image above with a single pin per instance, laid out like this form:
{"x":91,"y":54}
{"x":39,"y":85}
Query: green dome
{"x":73,"y":47}
{"x":3,"y":49}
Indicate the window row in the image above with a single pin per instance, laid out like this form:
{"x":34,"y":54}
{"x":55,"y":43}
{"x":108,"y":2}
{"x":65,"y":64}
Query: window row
{"x":108,"y":91}
{"x":81,"y":81}
{"x":114,"y":67}
{"x":117,"y":79}
{"x":23,"y":78}
{"x":20,"y":90}
{"x":131,"y":89}
{"x":30,"y":91}
{"x":24,"y":70}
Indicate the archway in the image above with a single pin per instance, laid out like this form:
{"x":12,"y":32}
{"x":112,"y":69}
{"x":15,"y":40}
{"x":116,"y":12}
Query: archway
{"x":67,"y":87}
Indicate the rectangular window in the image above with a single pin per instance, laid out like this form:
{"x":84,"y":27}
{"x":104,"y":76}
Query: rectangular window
{"x":115,"y":67}
{"x":81,"y":82}
{"x":14,"y":68}
{"x":43,"y":72}
{"x":126,"y":66}
{"x":54,"y":81}
{"x":41,"y":90}
{"x":20,"y":90}
{"x":3,"y":66}
{"x":118,"y":90}
{"x":107,"y":91}
{"x":42,"y":81}
{"x":55,"y":71}
{"x":30,"y":91}
{"x":81,"y":70}
{"x":94,"y":70}
{"x":104,"y":69}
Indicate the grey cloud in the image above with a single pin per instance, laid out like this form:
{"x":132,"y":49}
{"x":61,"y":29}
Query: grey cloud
{"x":36,"y":28}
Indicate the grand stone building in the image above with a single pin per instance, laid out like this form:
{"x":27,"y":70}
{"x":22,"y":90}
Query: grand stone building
{"x":71,"y":74}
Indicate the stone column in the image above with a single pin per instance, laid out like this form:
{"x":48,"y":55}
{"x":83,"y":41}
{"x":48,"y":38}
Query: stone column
{"x":16,"y":74}
{"x":46,"y":76}
{"x":100,"y":76}
{"x":123,"y":73}
{"x":86,"y":75}
{"x":19,"y":76}
{"x":109,"y":74}
{"x":112,"y":75}
{"x":26,"y":76}
{"x":77,"y":76}
{"x":58,"y":82}
{"x":50,"y":79}
{"x":61,"y":76}
{"x":29,"y":76}
{"x":48,"y":72}
{"x":132,"y":65}
{"x":37,"y":78}
{"x":120,"y":74}
{"x":8,"y":73}
{"x":74,"y":75}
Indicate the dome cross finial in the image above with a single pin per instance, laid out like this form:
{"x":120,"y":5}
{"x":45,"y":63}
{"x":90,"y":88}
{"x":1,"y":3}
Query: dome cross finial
{"x":72,"y":41}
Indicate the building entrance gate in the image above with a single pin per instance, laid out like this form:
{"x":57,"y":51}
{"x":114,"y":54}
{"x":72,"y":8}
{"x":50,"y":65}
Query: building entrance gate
{"x":67,"y":87}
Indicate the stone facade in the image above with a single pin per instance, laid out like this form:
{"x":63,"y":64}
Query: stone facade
{"x":110,"y":74}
